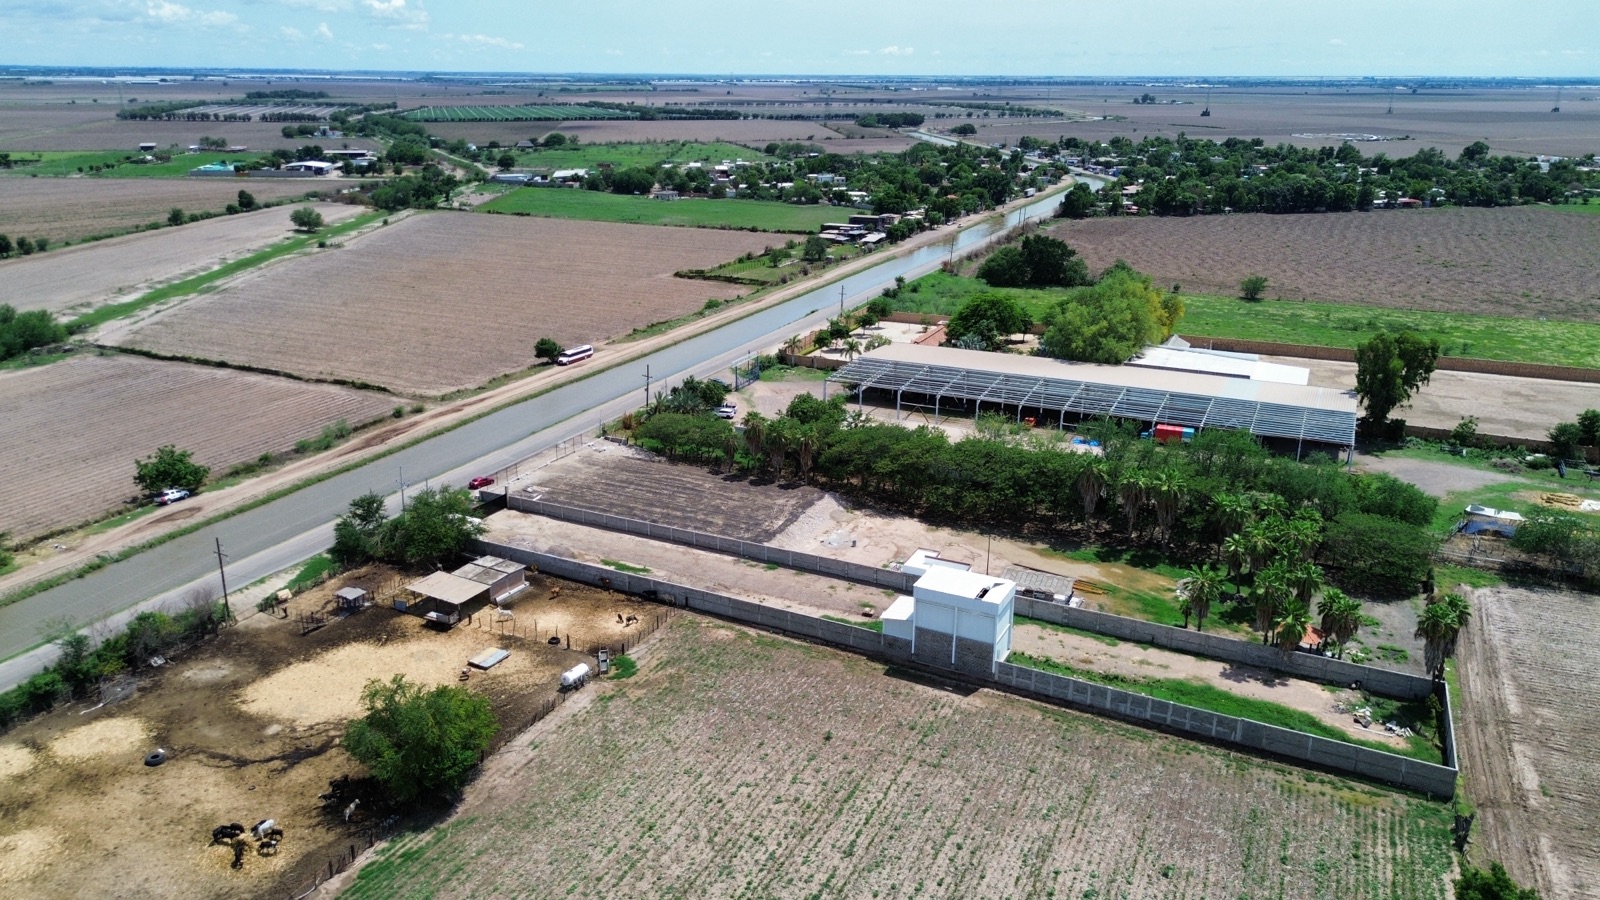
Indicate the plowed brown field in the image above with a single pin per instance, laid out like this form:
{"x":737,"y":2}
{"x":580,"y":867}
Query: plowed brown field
{"x":1509,"y":262}
{"x":444,"y":301}
{"x":122,"y":268}
{"x":66,"y":209}
{"x":73,"y":429}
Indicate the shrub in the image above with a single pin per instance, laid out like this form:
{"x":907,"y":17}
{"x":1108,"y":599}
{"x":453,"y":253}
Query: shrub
{"x":418,"y":742}
{"x":1253,"y":287}
{"x":1380,"y":494}
{"x":1375,"y":556}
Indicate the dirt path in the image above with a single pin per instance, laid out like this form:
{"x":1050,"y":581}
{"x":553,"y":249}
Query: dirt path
{"x":1527,"y":742}
{"x":1135,"y":661}
{"x":1440,"y":479}
{"x":43,"y":560}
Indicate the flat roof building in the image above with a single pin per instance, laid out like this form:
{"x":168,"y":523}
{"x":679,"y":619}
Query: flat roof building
{"x":954,"y":618}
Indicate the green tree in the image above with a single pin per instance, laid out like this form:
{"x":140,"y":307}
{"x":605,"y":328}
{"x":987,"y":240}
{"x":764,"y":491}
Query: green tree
{"x":507,"y":161}
{"x":1202,"y":589}
{"x":169,"y":467}
{"x":247,"y":200}
{"x":1439,"y":626}
{"x":420,"y":743}
{"x":306,"y":219}
{"x":965,"y":129}
{"x":1051,"y":263}
{"x":1253,"y":287}
{"x":1289,"y":626}
{"x":633,"y":181}
{"x":1078,"y":203}
{"x":1005,"y":267}
{"x":546,"y":349}
{"x":1566,"y":437}
{"x":1377,"y":557}
{"x":1491,"y":884}
{"x":433,"y":529}
{"x":25,"y":246}
{"x":989,"y":317}
{"x":1341,"y":617}
{"x":1589,"y":427}
{"x":21,"y":332}
{"x":816,"y":249}
{"x":5,"y":245}
{"x":555,"y":139}
{"x":357,"y":532}
{"x":1108,"y":323}
{"x":175,"y":217}
{"x":1389,"y":369}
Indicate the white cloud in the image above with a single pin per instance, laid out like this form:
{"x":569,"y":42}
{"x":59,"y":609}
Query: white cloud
{"x":292,"y":34}
{"x":319,"y":5}
{"x":323,"y":33}
{"x":897,"y":51}
{"x":397,"y":12}
{"x":487,"y":41}
{"x":1336,"y":42}
{"x":173,"y":13}
{"x":858,"y":53}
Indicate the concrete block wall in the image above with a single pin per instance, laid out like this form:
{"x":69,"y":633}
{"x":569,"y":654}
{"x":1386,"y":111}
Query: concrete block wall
{"x":1398,"y":685}
{"x":1391,"y":768}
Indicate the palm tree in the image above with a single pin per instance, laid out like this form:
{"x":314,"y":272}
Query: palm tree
{"x":1289,"y":626}
{"x":1233,"y":510}
{"x":776,"y":442}
{"x":1091,"y":484}
{"x":1202,"y":588}
{"x":1439,"y":625}
{"x":1133,"y":488}
{"x":792,"y":345}
{"x":1236,"y":550}
{"x":852,"y":348}
{"x":1259,"y":545}
{"x":805,"y":445}
{"x":1271,"y":593}
{"x":755,"y":432}
{"x":1170,"y":489}
{"x":1306,"y":579}
{"x":1341,"y":617}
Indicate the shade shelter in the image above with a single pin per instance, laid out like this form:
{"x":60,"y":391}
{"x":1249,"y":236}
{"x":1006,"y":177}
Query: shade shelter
{"x":439,"y":597}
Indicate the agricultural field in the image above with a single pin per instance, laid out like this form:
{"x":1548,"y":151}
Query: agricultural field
{"x":509,"y":280}
{"x":71,"y":209}
{"x":1524,"y":261}
{"x":755,"y":133}
{"x":124,"y":267}
{"x":635,"y":154}
{"x":1526,"y":664}
{"x":497,"y":113}
{"x":737,"y":764}
{"x":115,"y":163}
{"x":75,"y":427}
{"x":762,"y":215}
{"x":251,"y":723}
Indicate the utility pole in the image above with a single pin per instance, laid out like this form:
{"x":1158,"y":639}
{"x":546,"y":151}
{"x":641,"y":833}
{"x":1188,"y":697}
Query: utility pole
{"x":841,"y":301}
{"x":402,"y":488}
{"x":224,"y":574}
{"x":647,"y":385}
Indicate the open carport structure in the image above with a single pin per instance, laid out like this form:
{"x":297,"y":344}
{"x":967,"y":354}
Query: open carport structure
{"x":946,"y":378}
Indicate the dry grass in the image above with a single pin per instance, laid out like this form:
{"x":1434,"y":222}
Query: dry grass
{"x":1510,"y":262}
{"x":740,"y":765}
{"x":74,"y":428}
{"x":445,"y":301}
{"x":67,"y":209}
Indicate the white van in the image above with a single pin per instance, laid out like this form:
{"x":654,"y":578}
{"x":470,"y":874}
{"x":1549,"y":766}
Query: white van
{"x":574,"y":354}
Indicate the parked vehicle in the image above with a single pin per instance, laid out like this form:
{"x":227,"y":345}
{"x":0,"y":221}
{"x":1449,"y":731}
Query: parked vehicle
{"x":171,"y":495}
{"x":482,"y":481}
{"x":574,"y":354}
{"x":727,"y":411}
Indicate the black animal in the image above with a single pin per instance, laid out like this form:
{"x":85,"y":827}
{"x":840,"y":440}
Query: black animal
{"x":238,"y":853}
{"x":224,"y":833}
{"x":273,"y":834}
{"x":1463,"y":831}
{"x":268,"y":848}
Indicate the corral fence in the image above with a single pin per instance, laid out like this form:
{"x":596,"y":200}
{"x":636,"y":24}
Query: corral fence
{"x":888,"y":579}
{"x":346,"y":855}
{"x":1232,"y":731}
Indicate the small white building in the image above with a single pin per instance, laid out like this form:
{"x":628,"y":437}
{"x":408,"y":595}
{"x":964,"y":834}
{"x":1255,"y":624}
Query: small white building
{"x":310,"y":167}
{"x":953,"y":618}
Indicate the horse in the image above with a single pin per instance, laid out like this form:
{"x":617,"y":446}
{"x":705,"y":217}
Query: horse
{"x":224,"y":833}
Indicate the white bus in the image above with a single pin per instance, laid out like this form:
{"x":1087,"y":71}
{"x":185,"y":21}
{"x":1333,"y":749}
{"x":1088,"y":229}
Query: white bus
{"x":574,"y":354}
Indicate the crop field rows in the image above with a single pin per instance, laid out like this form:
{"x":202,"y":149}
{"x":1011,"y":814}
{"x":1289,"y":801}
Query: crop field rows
{"x":444,"y":301}
{"x":63,"y":209}
{"x":74,"y":428}
{"x":510,"y":113}
{"x":1520,"y":261}
{"x":740,"y":765}
{"x":597,"y":206}
{"x":321,"y":110}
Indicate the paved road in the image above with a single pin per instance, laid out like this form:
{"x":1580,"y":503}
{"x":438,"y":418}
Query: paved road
{"x":279,"y":534}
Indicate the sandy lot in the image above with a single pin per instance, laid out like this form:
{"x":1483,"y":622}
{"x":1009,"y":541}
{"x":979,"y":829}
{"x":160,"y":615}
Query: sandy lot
{"x":1504,"y":404}
{"x":251,"y":722}
{"x":64,"y":209}
{"x":742,"y":765}
{"x":1527,"y":663}
{"x":487,"y":288}
{"x":1519,"y":261}
{"x":76,"y":278}
{"x":75,"y":428}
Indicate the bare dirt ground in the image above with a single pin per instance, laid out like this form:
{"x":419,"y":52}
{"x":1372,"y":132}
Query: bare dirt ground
{"x":75,"y":427}
{"x":251,"y":722}
{"x":1437,"y":478}
{"x":77,"y":278}
{"x":740,"y":765}
{"x":1519,"y":261}
{"x":757,"y":132}
{"x":1527,"y":664}
{"x":581,"y":282}
{"x":65,"y":209}
{"x":1507,"y":405}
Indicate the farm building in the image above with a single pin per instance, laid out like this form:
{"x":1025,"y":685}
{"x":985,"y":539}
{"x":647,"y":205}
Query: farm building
{"x":941,"y":380}
{"x":1178,"y":356}
{"x":439,"y":598}
{"x":502,"y":576}
{"x":310,"y":167}
{"x":953,"y":618}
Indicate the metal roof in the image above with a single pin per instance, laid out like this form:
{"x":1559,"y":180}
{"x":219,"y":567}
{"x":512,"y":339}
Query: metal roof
{"x":1267,"y":409}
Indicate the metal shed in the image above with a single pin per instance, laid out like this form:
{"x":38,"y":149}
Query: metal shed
{"x":441,"y":596}
{"x":946,"y":374}
{"x":501,"y":576}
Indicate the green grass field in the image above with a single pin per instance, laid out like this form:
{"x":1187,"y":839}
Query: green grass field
{"x":74,"y":162}
{"x":649,"y":155}
{"x":560,"y":203}
{"x":1319,"y":324}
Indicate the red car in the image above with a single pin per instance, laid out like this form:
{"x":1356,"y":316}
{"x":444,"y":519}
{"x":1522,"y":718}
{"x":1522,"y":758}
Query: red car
{"x":482,"y":481}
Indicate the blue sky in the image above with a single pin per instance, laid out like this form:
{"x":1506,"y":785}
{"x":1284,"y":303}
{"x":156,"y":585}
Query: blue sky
{"x":896,"y":37}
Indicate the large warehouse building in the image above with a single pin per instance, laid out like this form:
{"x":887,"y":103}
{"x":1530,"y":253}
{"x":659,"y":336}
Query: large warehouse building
{"x":947,"y":380}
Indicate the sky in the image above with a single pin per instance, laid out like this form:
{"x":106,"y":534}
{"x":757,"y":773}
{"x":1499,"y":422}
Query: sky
{"x":825,"y":37}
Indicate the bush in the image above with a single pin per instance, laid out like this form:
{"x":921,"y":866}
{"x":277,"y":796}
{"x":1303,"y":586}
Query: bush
{"x":1380,"y":494}
{"x":420,"y":743}
{"x":1253,"y":287}
{"x":1376,"y":557}
{"x":169,"y":467}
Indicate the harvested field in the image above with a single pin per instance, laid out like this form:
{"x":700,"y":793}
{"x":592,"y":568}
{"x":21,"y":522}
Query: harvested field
{"x":54,"y":131}
{"x":75,"y":427}
{"x":68,"y":209}
{"x":742,"y":765}
{"x":1521,"y":261}
{"x":1527,"y":664}
{"x":238,"y":756}
{"x":683,"y":496}
{"x":447,"y":301}
{"x":122,"y":268}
